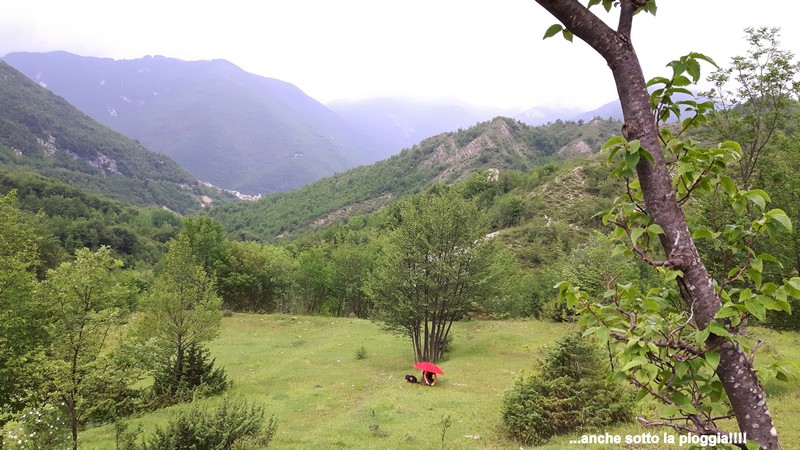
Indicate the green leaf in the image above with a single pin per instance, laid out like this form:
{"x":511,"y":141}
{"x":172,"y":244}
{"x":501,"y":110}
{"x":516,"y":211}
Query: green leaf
{"x":783,"y":305}
{"x":633,"y":363}
{"x":681,"y":81}
{"x":728,"y":185}
{"x":617,"y":377}
{"x":567,"y":34}
{"x":758,"y":197}
{"x":712,"y":358}
{"x":693,"y":67}
{"x":631,"y":159}
{"x":752,"y":445}
{"x":756,"y":308}
{"x":614,"y":140}
{"x":647,"y":155}
{"x":703,"y":57}
{"x":793,"y":286}
{"x":619,"y":250}
{"x":651,"y":304}
{"x":733,"y":272}
{"x":780,"y":216}
{"x":770,"y":258}
{"x":718,"y":329}
{"x":704,"y":233}
{"x":701,"y":336}
{"x":636,"y":234}
{"x":739,"y":206}
{"x":553,"y":30}
{"x":677,"y":67}
{"x":655,"y":229}
{"x":744,"y":295}
{"x":667,"y":410}
{"x":726,"y":311}
{"x":755,"y":275}
{"x":683,"y":402}
{"x":657,"y":80}
{"x":681,"y":367}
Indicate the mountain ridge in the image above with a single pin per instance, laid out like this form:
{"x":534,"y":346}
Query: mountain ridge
{"x":41,"y":132}
{"x":228,"y":127}
{"x":499,"y":144}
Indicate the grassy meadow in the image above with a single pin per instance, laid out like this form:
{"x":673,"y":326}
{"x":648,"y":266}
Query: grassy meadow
{"x":305,"y":371}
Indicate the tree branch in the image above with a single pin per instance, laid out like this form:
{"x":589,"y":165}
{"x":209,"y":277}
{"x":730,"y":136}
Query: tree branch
{"x":627,"y":8}
{"x":583,"y":23}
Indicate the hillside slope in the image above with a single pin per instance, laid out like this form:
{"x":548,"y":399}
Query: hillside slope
{"x":499,"y":144}
{"x":228,"y":127}
{"x":42,"y":133}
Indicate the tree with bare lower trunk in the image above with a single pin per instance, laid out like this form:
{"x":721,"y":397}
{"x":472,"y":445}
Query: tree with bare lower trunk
{"x":680,"y":342}
{"x":436,"y":266}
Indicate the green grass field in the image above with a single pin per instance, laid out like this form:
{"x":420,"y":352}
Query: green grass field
{"x":305,"y":371}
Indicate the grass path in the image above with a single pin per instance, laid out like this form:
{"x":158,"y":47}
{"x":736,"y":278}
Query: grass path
{"x":304,"y":370}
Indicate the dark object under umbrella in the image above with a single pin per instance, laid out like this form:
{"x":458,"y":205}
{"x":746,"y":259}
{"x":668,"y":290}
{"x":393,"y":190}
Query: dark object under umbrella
{"x":428,"y":367}
{"x":429,"y":371}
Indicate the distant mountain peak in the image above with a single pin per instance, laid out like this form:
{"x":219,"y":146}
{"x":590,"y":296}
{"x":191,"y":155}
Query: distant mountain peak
{"x":231,"y":128}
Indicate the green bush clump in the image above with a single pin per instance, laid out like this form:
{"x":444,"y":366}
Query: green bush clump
{"x":361,"y":352}
{"x":234,"y":424}
{"x":198,"y":377}
{"x":569,"y":394}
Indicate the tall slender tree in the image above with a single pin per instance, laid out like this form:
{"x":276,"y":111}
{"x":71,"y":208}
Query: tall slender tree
{"x":182,"y":309}
{"x":662,"y":208}
{"x":85,"y":300}
{"x":754,"y":111}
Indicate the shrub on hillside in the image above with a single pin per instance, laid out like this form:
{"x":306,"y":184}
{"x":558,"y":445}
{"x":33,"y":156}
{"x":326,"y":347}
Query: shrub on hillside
{"x":570,"y":394}
{"x":233,"y":424}
{"x":198,"y":376}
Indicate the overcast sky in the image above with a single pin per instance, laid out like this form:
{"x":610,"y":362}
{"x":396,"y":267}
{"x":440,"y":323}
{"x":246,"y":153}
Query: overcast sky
{"x":484,"y":52}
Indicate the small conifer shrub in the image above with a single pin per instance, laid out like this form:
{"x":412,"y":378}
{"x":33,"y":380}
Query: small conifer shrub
{"x":570,"y":394}
{"x":197,"y":373}
{"x":235,"y":423}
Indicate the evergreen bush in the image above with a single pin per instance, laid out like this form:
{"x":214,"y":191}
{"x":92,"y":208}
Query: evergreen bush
{"x":234,"y":424}
{"x":570,"y":394}
{"x":198,"y":376}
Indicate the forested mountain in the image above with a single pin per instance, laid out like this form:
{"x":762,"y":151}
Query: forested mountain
{"x":228,"y":127}
{"x":40,"y":132}
{"x":496,"y":145}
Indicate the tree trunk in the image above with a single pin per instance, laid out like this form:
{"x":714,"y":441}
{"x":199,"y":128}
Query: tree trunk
{"x":415,"y":339}
{"x":735,"y":368}
{"x":177,"y":369}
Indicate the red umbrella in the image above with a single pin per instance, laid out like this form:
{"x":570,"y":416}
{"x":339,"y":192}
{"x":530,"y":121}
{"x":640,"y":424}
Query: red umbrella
{"x":428,"y":367}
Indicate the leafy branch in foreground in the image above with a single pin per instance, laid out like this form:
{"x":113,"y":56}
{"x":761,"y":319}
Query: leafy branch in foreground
{"x":662,"y":345}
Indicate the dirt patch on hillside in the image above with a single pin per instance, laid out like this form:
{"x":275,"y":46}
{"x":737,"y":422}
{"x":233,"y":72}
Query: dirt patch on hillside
{"x":372,"y":204}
